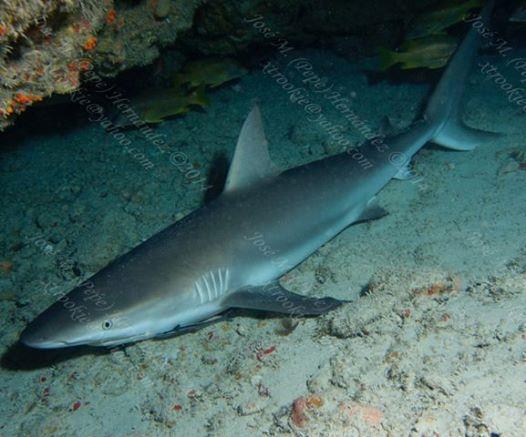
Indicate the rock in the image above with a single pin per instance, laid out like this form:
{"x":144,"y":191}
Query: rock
{"x":250,"y":408}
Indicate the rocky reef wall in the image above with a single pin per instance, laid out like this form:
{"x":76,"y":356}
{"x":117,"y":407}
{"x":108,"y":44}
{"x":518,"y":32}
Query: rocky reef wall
{"x":45,"y":45}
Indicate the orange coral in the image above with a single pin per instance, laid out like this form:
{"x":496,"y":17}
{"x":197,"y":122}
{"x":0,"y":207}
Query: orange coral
{"x":79,"y":65}
{"x":314,"y":401}
{"x":90,"y":43}
{"x":26,"y":99}
{"x":19,"y":103}
{"x":84,"y":64}
{"x":3,"y":30}
{"x":111,"y":16}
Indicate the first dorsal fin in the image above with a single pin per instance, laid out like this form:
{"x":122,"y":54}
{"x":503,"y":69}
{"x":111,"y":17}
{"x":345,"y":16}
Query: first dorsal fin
{"x":251,"y":162}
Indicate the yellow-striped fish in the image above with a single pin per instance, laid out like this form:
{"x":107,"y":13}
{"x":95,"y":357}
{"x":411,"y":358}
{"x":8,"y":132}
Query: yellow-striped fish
{"x":429,"y":52}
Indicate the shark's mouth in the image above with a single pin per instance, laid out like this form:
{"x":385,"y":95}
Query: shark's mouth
{"x":47,"y":344}
{"x":121,"y":340}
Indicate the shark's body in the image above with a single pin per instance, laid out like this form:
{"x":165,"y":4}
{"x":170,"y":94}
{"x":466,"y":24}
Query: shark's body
{"x":231,"y":252}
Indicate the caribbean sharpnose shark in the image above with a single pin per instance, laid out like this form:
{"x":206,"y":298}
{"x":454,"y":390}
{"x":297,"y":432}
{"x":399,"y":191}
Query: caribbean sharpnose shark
{"x":231,"y":252}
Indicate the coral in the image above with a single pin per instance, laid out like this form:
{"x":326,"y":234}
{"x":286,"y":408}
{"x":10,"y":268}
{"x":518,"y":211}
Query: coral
{"x":39,"y":39}
{"x":111,"y":16}
{"x":45,"y":45}
{"x":90,"y":43}
{"x":302,"y":408}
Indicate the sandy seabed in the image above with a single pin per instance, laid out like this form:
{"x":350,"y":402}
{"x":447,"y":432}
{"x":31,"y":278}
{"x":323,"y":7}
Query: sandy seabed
{"x":434,"y":342}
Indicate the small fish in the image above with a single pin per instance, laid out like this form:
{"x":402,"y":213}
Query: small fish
{"x":211,"y":72}
{"x":174,"y":103}
{"x":430,"y":52}
{"x":443,"y":17}
{"x":155,"y":106}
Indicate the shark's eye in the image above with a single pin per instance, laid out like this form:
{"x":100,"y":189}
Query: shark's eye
{"x":107,"y":324}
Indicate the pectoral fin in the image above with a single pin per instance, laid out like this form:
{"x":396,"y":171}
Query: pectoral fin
{"x":273,"y":297}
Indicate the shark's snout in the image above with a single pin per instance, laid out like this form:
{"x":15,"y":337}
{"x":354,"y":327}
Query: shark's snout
{"x":36,"y":337}
{"x":76,"y":321}
{"x":54,"y":328}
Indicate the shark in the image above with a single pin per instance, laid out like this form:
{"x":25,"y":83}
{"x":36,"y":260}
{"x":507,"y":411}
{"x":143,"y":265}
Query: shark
{"x":232,"y":252}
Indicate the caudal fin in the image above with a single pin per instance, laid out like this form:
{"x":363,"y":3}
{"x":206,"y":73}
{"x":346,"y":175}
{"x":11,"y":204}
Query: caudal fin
{"x":198,"y":97}
{"x":456,"y":135}
{"x":444,"y":108}
{"x":387,"y":59}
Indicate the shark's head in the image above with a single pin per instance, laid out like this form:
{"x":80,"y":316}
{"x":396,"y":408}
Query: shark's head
{"x":86,"y":316}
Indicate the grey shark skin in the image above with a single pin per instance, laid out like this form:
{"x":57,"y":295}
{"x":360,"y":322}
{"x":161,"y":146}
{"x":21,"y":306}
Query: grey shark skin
{"x":230,"y":253}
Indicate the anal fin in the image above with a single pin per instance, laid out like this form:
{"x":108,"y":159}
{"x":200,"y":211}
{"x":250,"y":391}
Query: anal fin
{"x":373,"y":211}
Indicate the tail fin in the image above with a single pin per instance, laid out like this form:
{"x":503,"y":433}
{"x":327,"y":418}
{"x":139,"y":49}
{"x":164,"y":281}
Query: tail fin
{"x":198,"y":97}
{"x":444,"y":107}
{"x":387,"y":59}
{"x":456,"y":135}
